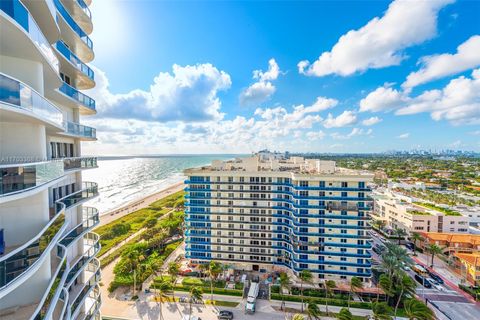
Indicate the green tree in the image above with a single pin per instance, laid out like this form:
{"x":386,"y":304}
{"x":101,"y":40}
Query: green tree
{"x":214,"y":269}
{"x":132,"y":259}
{"x":162,"y":288}
{"x":173,"y":269}
{"x":417,"y":310}
{"x":385,"y":283}
{"x":195,"y":294}
{"x":416,"y":237}
{"x":344,"y":314}
{"x":298,"y":316}
{"x":400,"y":233}
{"x":355,"y":283}
{"x":434,"y":250}
{"x":328,"y":285}
{"x":284,"y":282}
{"x":305,"y":277}
{"x":405,"y":286}
{"x":381,"y":311}
{"x":313,"y":312}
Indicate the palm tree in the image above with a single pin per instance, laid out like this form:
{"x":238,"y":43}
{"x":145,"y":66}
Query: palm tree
{"x":298,"y":316}
{"x":173,"y":269}
{"x":400,"y":233}
{"x":434,"y":250}
{"x":381,"y":311}
{"x":162,"y":288}
{"x":385,"y":283}
{"x":313,"y":312}
{"x":214,"y":269}
{"x":305,"y":276}
{"x":417,"y":310}
{"x":133,"y":257}
{"x":329,"y":286}
{"x":355,"y":283}
{"x":406,"y":286}
{"x":416,"y":237}
{"x":344,"y":314}
{"x":195,"y":293}
{"x":284,"y":284}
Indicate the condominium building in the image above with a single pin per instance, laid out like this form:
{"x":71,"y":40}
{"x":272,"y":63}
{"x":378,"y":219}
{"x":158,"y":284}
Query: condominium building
{"x":399,"y":211}
{"x":276,"y":214}
{"x":48,"y":268}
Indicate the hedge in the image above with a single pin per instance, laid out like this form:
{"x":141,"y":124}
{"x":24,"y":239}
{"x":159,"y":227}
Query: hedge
{"x":332,"y":302}
{"x":227,"y":292}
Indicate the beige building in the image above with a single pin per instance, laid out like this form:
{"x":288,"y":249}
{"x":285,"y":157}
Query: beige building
{"x":398,"y":211}
{"x":263,"y":213}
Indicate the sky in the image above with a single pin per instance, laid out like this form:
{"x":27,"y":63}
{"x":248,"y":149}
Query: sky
{"x":317,"y":76}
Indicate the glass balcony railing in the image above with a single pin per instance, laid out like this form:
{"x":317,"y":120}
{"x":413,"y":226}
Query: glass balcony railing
{"x":90,"y":219}
{"x":17,"y":11}
{"x":19,"y":95}
{"x":89,"y":190}
{"x":84,"y":7}
{"x":78,"y":96}
{"x":79,"y":163}
{"x":75,"y":27}
{"x":88,"y":256}
{"x":68,"y":54}
{"x":80,"y":130}
{"x":20,"y":178}
{"x":45,"y":308}
{"x":90,"y":291}
{"x":16,"y":262}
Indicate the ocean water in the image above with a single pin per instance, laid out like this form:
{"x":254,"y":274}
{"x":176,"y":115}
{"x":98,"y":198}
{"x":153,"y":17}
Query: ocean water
{"x":122,"y":180}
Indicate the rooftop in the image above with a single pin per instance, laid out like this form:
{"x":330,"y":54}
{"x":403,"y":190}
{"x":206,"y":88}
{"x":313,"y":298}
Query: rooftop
{"x":453,"y":237}
{"x":471,"y":258}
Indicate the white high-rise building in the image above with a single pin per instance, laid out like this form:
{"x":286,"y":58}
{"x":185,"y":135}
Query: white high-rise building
{"x":274,"y":214}
{"x":48,"y":268}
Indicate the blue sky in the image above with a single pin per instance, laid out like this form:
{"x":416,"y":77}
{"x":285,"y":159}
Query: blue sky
{"x":232,"y":77}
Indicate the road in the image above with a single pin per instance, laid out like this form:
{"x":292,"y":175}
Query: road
{"x":448,"y":301}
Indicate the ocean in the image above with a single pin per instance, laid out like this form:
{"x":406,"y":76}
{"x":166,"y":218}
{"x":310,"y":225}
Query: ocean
{"x":124,"y":179}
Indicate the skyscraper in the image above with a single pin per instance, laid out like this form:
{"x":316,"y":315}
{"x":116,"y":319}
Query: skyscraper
{"x":271,"y":214}
{"x":48,"y":268}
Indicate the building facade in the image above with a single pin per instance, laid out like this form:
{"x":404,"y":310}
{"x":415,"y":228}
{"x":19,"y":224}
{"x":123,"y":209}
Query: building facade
{"x":280,"y":214}
{"x":398,"y":211}
{"x":48,"y":268}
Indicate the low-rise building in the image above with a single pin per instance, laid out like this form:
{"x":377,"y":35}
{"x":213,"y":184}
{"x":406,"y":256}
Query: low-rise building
{"x":469,"y":266}
{"x":452,"y":242}
{"x":399,"y":211}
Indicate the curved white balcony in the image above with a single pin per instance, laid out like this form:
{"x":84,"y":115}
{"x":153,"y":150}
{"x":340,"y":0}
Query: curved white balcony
{"x":44,"y":12}
{"x":92,"y":305}
{"x":73,"y":34}
{"x":92,"y":275}
{"x":79,"y":72}
{"x":20,"y":103}
{"x":18,"y":264}
{"x":90,"y":218}
{"x":21,"y":38}
{"x":89,"y":191}
{"x":80,"y":12}
{"x":92,"y":291}
{"x":81,"y":262}
{"x":77,"y":130}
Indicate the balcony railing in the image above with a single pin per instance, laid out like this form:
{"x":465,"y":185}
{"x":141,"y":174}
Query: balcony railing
{"x":73,"y":93}
{"x":89,"y":190}
{"x":19,"y":95}
{"x":75,"y":27}
{"x":91,"y":290}
{"x":70,"y":56}
{"x":84,"y":7}
{"x":15,"y":263}
{"x":20,"y":178}
{"x":80,"y":130}
{"x":17,"y":11}
{"x":90,"y":219}
{"x":79,"y":163}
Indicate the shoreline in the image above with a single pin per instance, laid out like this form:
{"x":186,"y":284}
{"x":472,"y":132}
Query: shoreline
{"x":135,"y":205}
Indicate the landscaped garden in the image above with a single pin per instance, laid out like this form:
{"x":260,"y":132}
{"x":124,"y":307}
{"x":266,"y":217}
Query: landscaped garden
{"x":446,"y":211}
{"x":189,"y":282}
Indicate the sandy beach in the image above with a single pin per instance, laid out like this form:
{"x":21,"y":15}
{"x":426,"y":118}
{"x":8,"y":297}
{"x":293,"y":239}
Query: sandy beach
{"x":117,"y":213}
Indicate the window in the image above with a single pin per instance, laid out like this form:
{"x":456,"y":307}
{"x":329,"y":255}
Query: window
{"x":344,"y":184}
{"x":303,"y":183}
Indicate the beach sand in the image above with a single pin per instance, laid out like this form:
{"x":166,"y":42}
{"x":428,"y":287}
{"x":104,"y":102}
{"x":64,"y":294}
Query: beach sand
{"x":138,"y":204}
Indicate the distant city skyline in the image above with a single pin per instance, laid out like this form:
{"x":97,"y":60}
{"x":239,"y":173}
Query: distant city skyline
{"x":218,"y":77}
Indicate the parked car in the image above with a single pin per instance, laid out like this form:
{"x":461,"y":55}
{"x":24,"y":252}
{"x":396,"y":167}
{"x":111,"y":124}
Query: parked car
{"x":435,"y":277}
{"x":225,"y":315}
{"x":423,"y":281}
{"x":409,"y":245}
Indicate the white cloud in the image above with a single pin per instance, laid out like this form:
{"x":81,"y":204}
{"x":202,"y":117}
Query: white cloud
{"x":371,"y":121}
{"x":345,"y":119}
{"x":475,"y":133}
{"x":315,"y":135}
{"x":458,"y":102}
{"x":442,"y":65}
{"x":383,"y":99}
{"x":381,"y":41}
{"x":404,"y":135}
{"x":353,"y":133}
{"x":263,"y":89}
{"x":188,"y":94}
